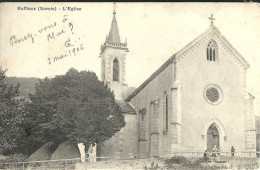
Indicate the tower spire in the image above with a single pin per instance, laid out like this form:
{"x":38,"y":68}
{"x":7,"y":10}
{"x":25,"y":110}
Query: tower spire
{"x":113,"y":38}
{"x":113,"y":35}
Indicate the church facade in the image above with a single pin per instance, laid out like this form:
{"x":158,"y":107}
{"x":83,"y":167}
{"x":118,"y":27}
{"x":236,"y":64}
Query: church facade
{"x":197,"y":99}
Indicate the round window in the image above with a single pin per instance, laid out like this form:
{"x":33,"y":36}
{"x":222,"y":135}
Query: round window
{"x":213,"y":94}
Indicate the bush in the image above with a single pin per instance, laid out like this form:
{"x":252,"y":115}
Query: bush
{"x":202,"y":160}
{"x":66,"y":150}
{"x":183,"y":162}
{"x":174,"y":160}
{"x":44,"y":153}
{"x":152,"y":167}
{"x":12,"y":159}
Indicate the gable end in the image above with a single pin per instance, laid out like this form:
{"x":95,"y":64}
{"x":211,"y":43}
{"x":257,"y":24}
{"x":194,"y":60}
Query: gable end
{"x":212,"y":33}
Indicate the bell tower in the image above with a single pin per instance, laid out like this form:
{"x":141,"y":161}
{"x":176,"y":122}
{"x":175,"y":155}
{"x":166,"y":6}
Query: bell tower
{"x":112,"y":54}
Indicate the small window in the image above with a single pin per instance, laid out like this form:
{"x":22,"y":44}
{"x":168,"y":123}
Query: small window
{"x":212,"y":51}
{"x":115,"y":70}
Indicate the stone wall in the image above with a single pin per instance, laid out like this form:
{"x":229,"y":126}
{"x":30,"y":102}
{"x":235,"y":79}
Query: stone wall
{"x":108,"y":57}
{"x":158,"y":140}
{"x":123,"y":144}
{"x":195,"y":73}
{"x":250,"y":126}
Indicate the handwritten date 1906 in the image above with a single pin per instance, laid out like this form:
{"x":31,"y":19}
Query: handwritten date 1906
{"x":70,"y":52}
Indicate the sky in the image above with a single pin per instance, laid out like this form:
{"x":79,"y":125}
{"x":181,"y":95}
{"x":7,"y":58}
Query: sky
{"x":154,"y":32}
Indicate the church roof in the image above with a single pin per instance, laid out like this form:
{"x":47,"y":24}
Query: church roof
{"x":169,"y":61}
{"x":113,"y":35}
{"x":215,"y":30}
{"x":251,"y":96}
{"x":126,"y":107}
{"x":174,"y":58}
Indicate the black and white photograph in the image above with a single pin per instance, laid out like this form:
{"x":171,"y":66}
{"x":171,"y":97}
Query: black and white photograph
{"x":124,"y":85}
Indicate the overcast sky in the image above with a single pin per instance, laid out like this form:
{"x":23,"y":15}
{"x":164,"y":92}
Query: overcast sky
{"x":154,"y":32}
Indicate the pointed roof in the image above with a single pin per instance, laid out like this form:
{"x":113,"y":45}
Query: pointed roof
{"x":177,"y":55}
{"x":214,"y":29}
{"x":114,"y":32}
{"x":113,"y":38}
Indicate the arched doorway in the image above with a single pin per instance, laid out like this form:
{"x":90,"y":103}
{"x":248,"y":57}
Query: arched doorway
{"x":212,"y":137}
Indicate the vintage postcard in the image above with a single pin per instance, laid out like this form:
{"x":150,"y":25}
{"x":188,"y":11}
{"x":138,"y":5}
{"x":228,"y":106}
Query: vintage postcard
{"x":129,"y":85}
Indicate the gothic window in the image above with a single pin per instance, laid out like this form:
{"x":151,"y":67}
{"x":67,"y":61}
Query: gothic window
{"x":212,"y":50}
{"x":115,"y":70}
{"x":165,"y":112}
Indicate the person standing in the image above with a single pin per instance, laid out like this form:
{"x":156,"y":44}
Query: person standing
{"x":232,"y":150}
{"x":205,"y":156}
{"x":214,"y":151}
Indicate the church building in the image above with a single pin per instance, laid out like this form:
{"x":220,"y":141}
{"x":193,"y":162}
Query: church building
{"x":197,"y":99}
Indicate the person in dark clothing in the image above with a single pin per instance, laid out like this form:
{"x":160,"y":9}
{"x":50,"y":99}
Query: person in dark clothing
{"x":205,"y":156}
{"x":233,"y":151}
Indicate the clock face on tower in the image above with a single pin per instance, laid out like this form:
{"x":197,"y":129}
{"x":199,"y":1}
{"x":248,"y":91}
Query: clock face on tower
{"x":213,"y":94}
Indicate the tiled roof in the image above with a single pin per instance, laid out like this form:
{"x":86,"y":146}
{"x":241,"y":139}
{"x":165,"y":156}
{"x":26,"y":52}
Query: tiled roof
{"x":126,"y":107}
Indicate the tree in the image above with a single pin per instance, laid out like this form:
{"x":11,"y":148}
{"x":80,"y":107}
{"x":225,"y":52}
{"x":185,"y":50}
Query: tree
{"x":75,"y":107}
{"x":11,"y":117}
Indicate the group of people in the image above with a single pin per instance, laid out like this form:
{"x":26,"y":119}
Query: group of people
{"x":215,"y":151}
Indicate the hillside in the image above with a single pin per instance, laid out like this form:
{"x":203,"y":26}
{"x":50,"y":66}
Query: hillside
{"x":27,"y":85}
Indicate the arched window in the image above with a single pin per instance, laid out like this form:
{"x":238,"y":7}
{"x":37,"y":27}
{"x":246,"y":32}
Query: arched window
{"x":115,"y":70}
{"x":165,"y":111}
{"x":212,"y":50}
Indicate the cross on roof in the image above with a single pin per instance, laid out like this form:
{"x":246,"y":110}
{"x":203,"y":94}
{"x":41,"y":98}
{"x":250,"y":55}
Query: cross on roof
{"x":212,"y":19}
{"x":114,"y":8}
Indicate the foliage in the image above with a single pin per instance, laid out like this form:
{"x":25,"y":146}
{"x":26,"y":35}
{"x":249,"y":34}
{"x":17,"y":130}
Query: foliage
{"x":11,"y":117}
{"x":175,"y":160}
{"x":8,"y":161}
{"x":27,"y":84}
{"x":152,"y":167}
{"x":184,"y":162}
{"x":44,"y":153}
{"x":66,"y":150}
{"x":75,"y":107}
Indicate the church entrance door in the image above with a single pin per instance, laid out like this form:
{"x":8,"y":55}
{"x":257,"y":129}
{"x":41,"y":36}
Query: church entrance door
{"x":212,"y":137}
